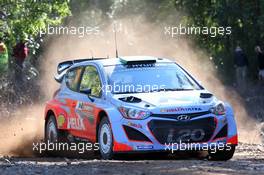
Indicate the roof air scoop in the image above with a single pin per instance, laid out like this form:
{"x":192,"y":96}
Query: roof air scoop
{"x":206,"y":95}
{"x":137,"y":60}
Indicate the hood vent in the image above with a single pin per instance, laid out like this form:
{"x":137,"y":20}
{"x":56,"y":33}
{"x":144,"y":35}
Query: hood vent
{"x":206,"y":95}
{"x":130,"y":99}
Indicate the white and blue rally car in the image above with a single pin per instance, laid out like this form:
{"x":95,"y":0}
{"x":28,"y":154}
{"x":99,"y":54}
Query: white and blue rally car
{"x":138,"y":104}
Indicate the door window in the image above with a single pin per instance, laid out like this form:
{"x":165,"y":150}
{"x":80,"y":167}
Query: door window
{"x":91,"y":80}
{"x":73,"y":78}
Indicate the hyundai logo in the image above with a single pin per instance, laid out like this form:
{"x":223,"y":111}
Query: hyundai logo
{"x":183,"y":117}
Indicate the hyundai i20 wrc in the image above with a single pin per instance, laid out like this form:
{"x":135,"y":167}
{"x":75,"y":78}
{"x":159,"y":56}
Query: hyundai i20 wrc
{"x":138,"y":104}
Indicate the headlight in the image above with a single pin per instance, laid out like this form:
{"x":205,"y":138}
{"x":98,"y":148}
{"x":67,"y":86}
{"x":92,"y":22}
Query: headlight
{"x":133,"y":113}
{"x":218,"y":109}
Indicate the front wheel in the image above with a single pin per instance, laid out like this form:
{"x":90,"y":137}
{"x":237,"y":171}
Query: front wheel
{"x":222,"y":155}
{"x":105,"y":139}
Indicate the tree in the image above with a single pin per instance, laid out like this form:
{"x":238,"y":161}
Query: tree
{"x":20,"y":19}
{"x":244,"y":17}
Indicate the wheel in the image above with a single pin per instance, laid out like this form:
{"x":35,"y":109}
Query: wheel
{"x":105,"y":138}
{"x":52,"y":134}
{"x":223,"y":155}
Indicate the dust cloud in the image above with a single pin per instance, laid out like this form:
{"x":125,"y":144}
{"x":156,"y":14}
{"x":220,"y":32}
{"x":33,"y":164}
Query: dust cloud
{"x":19,"y":131}
{"x":135,"y":36}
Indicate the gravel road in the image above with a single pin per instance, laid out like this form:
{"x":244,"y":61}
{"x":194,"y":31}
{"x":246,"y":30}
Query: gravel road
{"x":248,"y":159}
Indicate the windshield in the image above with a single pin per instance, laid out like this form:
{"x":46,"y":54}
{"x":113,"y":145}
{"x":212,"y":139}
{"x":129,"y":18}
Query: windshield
{"x":148,"y":78}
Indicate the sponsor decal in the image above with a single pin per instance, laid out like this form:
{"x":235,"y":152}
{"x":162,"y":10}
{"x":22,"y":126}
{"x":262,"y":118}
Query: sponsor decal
{"x":84,"y":109}
{"x":61,"y":120}
{"x":134,"y":125}
{"x":140,"y":65}
{"x":181,"y":109}
{"x":76,"y":123}
{"x":84,"y":106}
{"x":142,"y":147}
{"x":62,"y":100}
{"x":163,"y":110}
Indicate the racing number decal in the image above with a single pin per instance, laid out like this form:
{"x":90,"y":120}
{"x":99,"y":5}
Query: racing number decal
{"x":191,"y":135}
{"x":186,"y":135}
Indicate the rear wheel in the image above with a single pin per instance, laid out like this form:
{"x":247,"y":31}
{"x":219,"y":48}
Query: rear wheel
{"x":52,"y":136}
{"x":51,"y":131}
{"x":105,"y":139}
{"x":222,"y":155}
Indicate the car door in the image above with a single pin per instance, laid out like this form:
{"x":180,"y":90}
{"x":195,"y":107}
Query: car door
{"x":71,"y":95}
{"x":86,"y":107}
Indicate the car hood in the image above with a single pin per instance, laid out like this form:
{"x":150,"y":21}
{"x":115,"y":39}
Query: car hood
{"x":171,"y":100}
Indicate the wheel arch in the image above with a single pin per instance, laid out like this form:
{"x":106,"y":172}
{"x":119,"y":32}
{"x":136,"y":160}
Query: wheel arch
{"x":100,"y":116}
{"x":48,"y":115}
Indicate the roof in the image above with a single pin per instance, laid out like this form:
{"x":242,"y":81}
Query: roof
{"x":65,"y":65}
{"x":116,"y":61}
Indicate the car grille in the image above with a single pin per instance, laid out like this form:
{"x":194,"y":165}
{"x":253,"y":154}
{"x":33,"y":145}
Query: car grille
{"x":192,"y":131}
{"x":174,"y":116}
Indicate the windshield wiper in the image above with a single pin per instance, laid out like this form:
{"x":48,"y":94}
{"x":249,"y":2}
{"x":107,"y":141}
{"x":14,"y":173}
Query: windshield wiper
{"x":173,"y":89}
{"x":130,"y":92}
{"x":157,"y":90}
{"x":125,"y":92}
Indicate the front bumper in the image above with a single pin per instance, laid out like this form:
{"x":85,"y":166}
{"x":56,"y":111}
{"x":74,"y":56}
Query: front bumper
{"x":142,"y":135}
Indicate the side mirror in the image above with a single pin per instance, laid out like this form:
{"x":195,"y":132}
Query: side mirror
{"x":87,"y":91}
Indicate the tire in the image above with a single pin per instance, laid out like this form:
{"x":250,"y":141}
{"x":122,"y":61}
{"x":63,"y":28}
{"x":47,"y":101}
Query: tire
{"x":222,"y":155}
{"x":105,"y":139}
{"x":52,"y":134}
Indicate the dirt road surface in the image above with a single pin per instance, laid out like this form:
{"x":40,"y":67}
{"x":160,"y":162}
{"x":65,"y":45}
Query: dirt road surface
{"x":248,"y":159}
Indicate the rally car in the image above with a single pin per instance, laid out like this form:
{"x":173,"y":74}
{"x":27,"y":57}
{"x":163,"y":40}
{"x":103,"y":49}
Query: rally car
{"x":138,"y":104}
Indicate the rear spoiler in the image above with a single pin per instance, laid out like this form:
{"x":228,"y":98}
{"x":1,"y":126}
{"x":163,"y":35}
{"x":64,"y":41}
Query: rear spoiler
{"x":65,"y":65}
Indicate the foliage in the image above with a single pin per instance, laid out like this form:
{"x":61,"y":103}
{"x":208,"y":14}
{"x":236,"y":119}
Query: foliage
{"x":23,"y":19}
{"x":244,"y":17}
